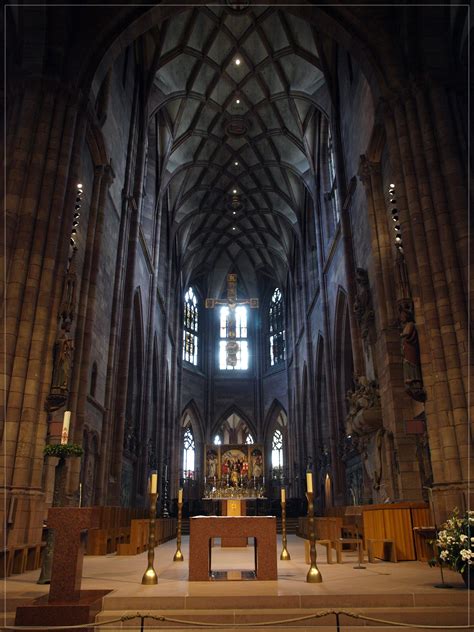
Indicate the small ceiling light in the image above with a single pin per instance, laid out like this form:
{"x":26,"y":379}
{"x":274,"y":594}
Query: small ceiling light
{"x":237,"y":101}
{"x":236,"y":163}
{"x":392,"y":186}
{"x":237,"y":61}
{"x":234,"y":191}
{"x":79,"y":186}
{"x":75,"y":223}
{"x":233,"y":227}
{"x":234,"y":212}
{"x":76,"y":215}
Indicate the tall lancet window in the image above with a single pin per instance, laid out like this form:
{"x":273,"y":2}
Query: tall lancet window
{"x":233,"y":343}
{"x":188,"y":453}
{"x":277,"y":453}
{"x":190,"y":328}
{"x":332,"y":180}
{"x":276,"y":328}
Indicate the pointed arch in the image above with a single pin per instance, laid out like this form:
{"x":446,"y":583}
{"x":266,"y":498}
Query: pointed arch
{"x":238,"y":430}
{"x":276,"y":430}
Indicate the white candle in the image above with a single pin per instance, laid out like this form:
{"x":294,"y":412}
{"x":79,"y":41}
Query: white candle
{"x":80,"y":494}
{"x":154,"y":483}
{"x":309,"y":482}
{"x":180,"y":496}
{"x":283,"y":495}
{"x":66,"y":423}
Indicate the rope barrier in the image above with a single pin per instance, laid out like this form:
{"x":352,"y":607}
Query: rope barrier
{"x":281,"y":622}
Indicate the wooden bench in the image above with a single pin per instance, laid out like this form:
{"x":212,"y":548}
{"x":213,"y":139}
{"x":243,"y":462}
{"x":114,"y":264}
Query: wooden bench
{"x":329,"y":544}
{"x":357,"y":542}
{"x":389,"y":549}
{"x":19,"y":558}
{"x":165,"y":529}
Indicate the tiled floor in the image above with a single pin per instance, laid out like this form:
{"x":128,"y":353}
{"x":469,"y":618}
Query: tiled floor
{"x":123,"y":575}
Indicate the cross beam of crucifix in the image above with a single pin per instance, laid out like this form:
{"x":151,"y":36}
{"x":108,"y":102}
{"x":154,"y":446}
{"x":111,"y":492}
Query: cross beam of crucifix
{"x":231,"y":301}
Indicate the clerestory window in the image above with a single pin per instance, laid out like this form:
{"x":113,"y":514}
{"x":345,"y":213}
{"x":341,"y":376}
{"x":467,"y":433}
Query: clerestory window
{"x":233,"y":343}
{"x":190,"y":328}
{"x":276,"y":328}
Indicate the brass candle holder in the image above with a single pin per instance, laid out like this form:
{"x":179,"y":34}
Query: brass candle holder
{"x":150,"y":577}
{"x":314,"y":576}
{"x":178,"y":556}
{"x":284,"y":553}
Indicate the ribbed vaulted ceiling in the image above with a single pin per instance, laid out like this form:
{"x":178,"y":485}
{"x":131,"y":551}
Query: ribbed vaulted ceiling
{"x":246,"y":127}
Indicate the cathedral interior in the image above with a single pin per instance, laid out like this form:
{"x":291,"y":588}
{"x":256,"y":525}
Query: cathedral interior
{"x":235,"y":250}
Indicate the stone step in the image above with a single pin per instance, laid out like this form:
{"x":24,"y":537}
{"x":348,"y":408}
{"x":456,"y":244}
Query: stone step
{"x":297,"y":619}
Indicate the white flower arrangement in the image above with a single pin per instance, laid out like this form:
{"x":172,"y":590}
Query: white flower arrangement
{"x":455,"y":542}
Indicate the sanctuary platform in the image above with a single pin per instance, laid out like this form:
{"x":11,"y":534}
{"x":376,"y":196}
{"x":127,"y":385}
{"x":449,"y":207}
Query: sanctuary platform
{"x":403,"y":592}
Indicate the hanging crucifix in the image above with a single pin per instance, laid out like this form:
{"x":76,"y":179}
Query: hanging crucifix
{"x":232,"y":347}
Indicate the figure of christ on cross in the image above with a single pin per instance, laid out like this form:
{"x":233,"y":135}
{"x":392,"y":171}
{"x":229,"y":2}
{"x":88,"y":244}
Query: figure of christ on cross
{"x":232,"y":302}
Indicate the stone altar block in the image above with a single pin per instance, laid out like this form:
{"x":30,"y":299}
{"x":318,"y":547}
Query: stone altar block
{"x":204,"y":528}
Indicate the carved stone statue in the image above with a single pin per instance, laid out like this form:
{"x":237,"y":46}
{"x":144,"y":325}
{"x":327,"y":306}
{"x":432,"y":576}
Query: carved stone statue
{"x":363,"y":309}
{"x":411,"y":353}
{"x":62,"y":364}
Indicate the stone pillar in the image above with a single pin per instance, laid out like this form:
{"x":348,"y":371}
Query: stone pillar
{"x":396,"y":406}
{"x":46,"y":153}
{"x":421,"y":227}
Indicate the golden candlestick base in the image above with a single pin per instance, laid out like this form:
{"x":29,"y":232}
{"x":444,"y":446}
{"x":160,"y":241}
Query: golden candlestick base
{"x":150,"y":577}
{"x":285,"y":555}
{"x":314,"y":576}
{"x":178,"y":556}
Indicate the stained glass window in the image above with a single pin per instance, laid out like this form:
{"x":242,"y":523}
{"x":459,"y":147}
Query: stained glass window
{"x":277,"y":453}
{"x":276,"y":328}
{"x":233,"y":350}
{"x":332,"y":193}
{"x":188,"y":453}
{"x":190,"y":328}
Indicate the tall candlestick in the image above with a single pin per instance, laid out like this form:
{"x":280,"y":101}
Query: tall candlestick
{"x":65,"y":431}
{"x":154,"y":483}
{"x":309,"y":482}
{"x":150,"y":578}
{"x":178,"y":556}
{"x":284,"y":554}
{"x":80,"y":494}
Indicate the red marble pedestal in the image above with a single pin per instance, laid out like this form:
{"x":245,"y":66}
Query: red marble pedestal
{"x":204,"y":528}
{"x":66,"y":604}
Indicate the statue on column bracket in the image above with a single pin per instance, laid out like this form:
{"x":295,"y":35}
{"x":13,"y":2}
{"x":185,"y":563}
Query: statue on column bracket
{"x":363,"y":309}
{"x":64,"y":347}
{"x":364,"y":428}
{"x":410,"y":352}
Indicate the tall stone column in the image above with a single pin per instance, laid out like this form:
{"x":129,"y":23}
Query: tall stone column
{"x":86,"y":312}
{"x":45,"y":153}
{"x":445,"y":413}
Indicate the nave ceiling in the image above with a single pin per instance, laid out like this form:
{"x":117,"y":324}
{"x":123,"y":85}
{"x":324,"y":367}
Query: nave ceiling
{"x":238,"y":139}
